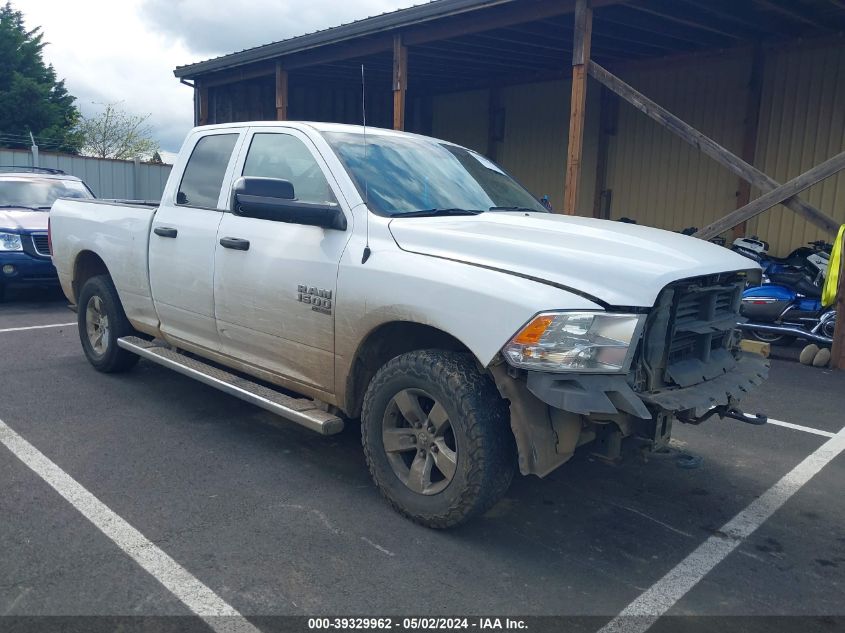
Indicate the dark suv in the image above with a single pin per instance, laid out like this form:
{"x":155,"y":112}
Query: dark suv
{"x":26,"y":195}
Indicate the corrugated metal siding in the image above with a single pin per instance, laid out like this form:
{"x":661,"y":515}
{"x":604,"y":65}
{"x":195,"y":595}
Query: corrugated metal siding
{"x":106,"y":178}
{"x":536,"y":134}
{"x":658,"y":179}
{"x":462,"y":118}
{"x":802,"y":123}
{"x":537,"y":137}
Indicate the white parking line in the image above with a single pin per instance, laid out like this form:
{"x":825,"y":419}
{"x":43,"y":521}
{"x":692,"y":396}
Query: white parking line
{"x":36,"y":327}
{"x":217,"y":613}
{"x":661,"y":596}
{"x":798,"y":427}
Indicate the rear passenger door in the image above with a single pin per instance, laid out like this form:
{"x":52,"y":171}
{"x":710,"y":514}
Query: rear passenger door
{"x":184,"y":237}
{"x":263,"y":295}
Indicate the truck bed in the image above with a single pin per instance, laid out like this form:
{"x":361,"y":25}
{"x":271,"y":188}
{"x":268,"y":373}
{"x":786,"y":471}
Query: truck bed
{"x":118,"y":232}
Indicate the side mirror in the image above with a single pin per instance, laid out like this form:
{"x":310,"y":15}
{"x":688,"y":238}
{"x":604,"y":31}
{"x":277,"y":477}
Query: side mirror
{"x":274,"y":199}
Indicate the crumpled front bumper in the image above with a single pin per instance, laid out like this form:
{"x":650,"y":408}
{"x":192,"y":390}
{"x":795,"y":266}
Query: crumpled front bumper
{"x":750,"y":371}
{"x":588,"y":394}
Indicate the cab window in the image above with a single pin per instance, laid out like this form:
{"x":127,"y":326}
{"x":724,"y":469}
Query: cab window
{"x":203,"y":177}
{"x":286,"y":157}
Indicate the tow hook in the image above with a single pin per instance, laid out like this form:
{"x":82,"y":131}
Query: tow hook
{"x":725,"y":411}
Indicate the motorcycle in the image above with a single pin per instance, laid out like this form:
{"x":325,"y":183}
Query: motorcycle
{"x":788,"y":304}
{"x":812,"y":259}
{"x":788,"y":308}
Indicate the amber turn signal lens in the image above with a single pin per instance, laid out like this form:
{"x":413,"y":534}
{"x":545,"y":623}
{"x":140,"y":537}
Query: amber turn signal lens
{"x":532,"y":332}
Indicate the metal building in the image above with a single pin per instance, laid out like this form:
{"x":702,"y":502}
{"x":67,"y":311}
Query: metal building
{"x":765,"y":79}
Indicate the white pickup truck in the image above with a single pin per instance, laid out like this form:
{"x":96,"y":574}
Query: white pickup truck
{"x":329,"y":273}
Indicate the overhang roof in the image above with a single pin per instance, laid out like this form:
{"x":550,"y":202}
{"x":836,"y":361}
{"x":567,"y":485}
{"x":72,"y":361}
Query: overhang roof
{"x":359,"y":28}
{"x":494,"y":37}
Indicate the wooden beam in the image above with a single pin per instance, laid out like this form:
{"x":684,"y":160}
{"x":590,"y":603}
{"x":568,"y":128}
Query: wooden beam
{"x":837,"y":351}
{"x":685,"y":22}
{"x":578,"y":103}
{"x":281,"y":93}
{"x":775,"y":196}
{"x":708,"y":146}
{"x":752,"y":124}
{"x":795,"y":14}
{"x":239,"y":74}
{"x":728,"y":15}
{"x":400,"y":81}
{"x":351,"y":49}
{"x":202,"y":89}
{"x":494,"y":18}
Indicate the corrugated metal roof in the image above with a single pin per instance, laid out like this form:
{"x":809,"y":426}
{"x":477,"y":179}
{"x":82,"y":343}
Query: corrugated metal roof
{"x":359,"y":28}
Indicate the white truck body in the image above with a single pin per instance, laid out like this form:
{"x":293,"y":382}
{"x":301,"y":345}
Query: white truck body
{"x":474,"y":279}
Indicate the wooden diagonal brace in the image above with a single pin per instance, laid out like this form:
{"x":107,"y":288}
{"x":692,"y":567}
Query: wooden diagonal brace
{"x":708,"y":146}
{"x":775,"y":196}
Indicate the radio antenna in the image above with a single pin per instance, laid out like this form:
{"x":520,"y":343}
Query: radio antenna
{"x":367,"y":251}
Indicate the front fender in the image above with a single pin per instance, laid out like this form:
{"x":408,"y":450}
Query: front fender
{"x":479,"y":307}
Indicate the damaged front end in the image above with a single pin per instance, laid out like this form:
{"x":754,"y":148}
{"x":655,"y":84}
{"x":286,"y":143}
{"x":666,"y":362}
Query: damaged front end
{"x":687,"y":367}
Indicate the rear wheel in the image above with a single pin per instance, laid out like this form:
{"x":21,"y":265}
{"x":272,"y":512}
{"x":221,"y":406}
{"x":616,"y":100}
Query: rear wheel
{"x":101,"y":322}
{"x":773,"y":338}
{"x":437,"y":438}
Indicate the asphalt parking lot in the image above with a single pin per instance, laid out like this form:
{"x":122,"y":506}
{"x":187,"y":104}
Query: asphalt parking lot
{"x":276,"y":520}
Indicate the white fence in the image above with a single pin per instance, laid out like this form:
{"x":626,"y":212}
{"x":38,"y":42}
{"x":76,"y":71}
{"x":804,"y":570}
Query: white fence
{"x":107,"y":178}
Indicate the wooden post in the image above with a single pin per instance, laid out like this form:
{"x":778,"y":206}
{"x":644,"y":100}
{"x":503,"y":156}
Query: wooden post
{"x":752,"y":124}
{"x":581,"y":39}
{"x":400,"y":81}
{"x":708,"y":146}
{"x":837,"y":351}
{"x":202,"y":118}
{"x":775,"y":196}
{"x":281,"y":93}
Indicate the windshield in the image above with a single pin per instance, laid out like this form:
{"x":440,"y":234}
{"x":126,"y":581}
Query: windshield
{"x":404,"y":174}
{"x":39,"y":193}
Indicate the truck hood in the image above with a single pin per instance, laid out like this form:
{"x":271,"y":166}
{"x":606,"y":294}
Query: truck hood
{"x":23,"y":220}
{"x":617,"y":263}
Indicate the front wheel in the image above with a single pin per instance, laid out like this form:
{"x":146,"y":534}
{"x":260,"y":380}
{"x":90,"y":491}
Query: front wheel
{"x":437,"y":438}
{"x":101,"y":322}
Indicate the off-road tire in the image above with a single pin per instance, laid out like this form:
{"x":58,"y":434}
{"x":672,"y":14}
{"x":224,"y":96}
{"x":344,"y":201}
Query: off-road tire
{"x":113,"y":359}
{"x":479,"y":418}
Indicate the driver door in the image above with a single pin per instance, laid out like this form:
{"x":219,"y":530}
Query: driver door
{"x":265,"y":277}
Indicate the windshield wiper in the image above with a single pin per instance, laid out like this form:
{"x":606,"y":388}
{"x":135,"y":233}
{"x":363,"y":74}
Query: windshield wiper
{"x":422,"y":213}
{"x":528,"y":209}
{"x":22,"y":206}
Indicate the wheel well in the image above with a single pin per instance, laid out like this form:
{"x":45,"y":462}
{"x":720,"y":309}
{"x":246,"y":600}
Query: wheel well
{"x":389,"y":341}
{"x":88,"y":264}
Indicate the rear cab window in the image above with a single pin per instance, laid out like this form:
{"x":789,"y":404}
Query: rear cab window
{"x":202,"y":180}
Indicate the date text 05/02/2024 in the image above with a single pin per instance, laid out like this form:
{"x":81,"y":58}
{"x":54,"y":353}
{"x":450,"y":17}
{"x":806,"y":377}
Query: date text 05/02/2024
{"x":417,"y":623}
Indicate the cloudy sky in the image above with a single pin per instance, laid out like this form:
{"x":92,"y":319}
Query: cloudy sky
{"x":126,"y":50}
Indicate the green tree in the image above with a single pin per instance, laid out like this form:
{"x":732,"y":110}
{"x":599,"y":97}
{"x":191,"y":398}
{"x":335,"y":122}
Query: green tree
{"x":115,"y":133}
{"x":32,"y":100}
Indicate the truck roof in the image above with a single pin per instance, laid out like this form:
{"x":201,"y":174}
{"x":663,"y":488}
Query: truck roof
{"x":313,"y":125}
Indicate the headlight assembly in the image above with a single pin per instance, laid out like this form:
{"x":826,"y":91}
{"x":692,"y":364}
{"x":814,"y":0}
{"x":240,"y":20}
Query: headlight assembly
{"x":10,"y":242}
{"x":596,"y":342}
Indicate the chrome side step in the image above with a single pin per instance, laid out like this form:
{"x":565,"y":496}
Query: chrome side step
{"x":299,"y":410}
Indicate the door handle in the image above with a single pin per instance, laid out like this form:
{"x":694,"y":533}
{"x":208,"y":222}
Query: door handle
{"x":235,"y":243}
{"x":165,"y":231}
